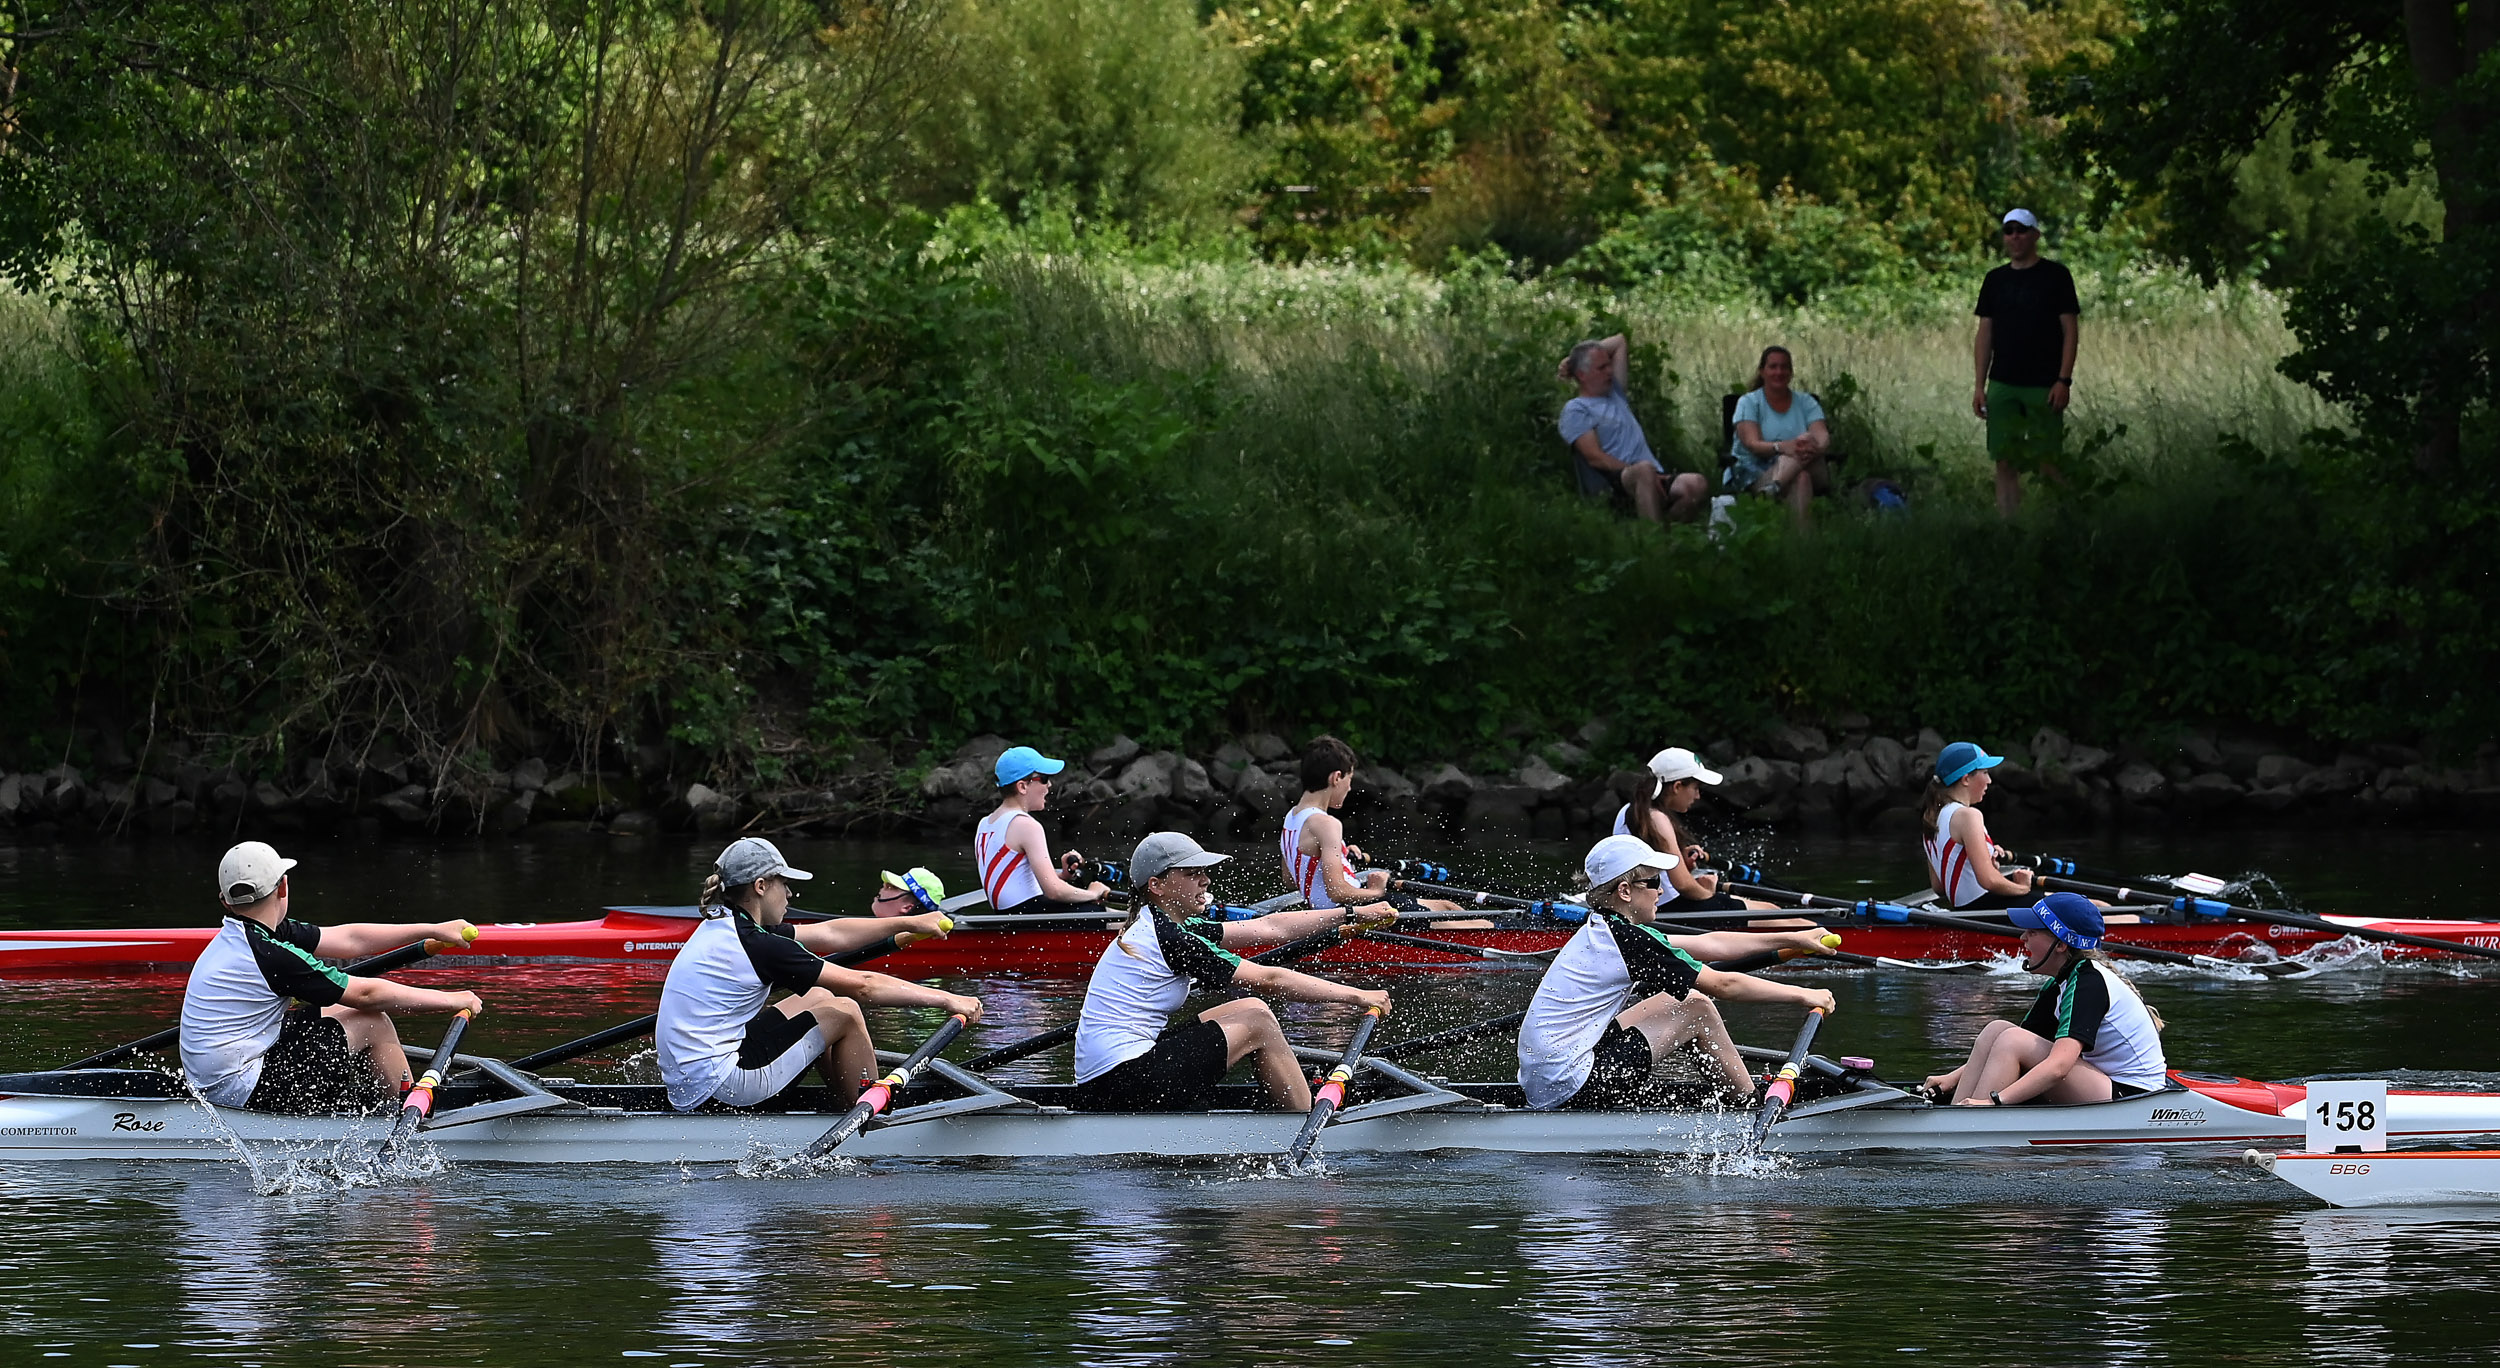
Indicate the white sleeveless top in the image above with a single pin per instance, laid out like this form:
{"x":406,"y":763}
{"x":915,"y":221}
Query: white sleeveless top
{"x":1303,"y":869}
{"x":1949,"y":869}
{"x":1004,"y":875}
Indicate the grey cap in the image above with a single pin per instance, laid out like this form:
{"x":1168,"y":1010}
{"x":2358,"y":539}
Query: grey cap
{"x":753,"y":858}
{"x":1165,"y":851}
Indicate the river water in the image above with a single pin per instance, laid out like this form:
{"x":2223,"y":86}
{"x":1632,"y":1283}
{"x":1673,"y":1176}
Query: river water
{"x":1985,"y":1259}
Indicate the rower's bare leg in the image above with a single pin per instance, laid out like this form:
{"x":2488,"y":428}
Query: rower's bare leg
{"x":1971,"y":1067}
{"x":1250,"y":1029}
{"x":373,"y":1032}
{"x":1668,"y":1023}
{"x":850,"y":1057}
{"x":2011,"y":1054}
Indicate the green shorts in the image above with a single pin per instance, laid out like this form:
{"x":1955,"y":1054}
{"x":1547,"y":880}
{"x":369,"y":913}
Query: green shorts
{"x":2023,"y":431}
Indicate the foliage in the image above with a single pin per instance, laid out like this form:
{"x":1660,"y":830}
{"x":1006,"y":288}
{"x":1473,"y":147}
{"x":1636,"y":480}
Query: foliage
{"x":1120,"y":110}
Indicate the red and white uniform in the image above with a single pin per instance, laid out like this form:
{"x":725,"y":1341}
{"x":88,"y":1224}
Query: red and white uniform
{"x":1949,"y":869}
{"x":1304,"y":869}
{"x":1006,"y":876}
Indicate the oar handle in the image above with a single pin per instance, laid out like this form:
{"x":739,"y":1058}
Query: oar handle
{"x":1783,"y":1087}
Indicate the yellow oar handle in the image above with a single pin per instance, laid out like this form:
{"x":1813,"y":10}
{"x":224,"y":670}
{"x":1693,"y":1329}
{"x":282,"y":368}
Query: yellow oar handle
{"x":1831,"y":940}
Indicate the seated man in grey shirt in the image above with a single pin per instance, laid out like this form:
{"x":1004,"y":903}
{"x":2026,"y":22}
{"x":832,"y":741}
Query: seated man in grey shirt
{"x":1608,"y":449}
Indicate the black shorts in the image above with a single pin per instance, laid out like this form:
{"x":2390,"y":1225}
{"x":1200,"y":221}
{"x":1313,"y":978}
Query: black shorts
{"x":1179,"y":1074}
{"x":2119,"y":1090}
{"x":1033,"y":907}
{"x":1619,"y":1076}
{"x":770,"y":1035}
{"x":311,"y":1070}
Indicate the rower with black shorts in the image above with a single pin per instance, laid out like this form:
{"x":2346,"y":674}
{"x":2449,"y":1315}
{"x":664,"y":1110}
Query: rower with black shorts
{"x":1621,"y":993}
{"x":719,"y":1042}
{"x":242,"y":1047}
{"x":1130,"y":1055}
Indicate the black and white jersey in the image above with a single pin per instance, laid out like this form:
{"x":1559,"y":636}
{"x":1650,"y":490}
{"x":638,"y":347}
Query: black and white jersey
{"x":2090,"y":1005}
{"x":1607,"y":965}
{"x":1143,"y":977}
{"x":235,"y":1003}
{"x":718,"y":982}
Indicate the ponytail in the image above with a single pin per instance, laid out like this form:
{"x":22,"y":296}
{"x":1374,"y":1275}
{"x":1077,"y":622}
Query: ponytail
{"x":1930,"y":806}
{"x":710,"y":897}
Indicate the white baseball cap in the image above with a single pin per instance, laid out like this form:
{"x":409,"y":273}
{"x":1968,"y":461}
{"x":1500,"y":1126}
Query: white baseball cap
{"x":1616,"y":856}
{"x":1675,"y":763}
{"x":2024,"y":217}
{"x":249,"y":873}
{"x":1164,"y":851}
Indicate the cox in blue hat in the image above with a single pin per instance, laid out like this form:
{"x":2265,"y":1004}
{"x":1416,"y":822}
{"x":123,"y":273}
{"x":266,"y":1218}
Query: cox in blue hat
{"x":1956,"y":761}
{"x":1023,"y":762}
{"x":2071,"y":917}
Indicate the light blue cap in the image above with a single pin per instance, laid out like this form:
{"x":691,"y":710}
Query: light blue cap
{"x":1961,"y":758}
{"x":1023,"y":762}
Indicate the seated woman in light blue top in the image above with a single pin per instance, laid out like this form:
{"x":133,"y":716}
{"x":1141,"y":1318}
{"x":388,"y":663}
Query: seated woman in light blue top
{"x":1781,"y":438}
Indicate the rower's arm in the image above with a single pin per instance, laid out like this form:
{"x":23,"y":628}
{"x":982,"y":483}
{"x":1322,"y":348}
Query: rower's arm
{"x":885,"y":990}
{"x":1726,"y":945}
{"x":2064,"y":1054}
{"x":1026,"y":836}
{"x":1301,"y":987}
{"x":838,"y":934}
{"x":382,"y":995}
{"x":1332,"y":861}
{"x":356,"y":940}
{"x":1281,"y":926}
{"x":1973,"y":834}
{"x":1727,"y":987}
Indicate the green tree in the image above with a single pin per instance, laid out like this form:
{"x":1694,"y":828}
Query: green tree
{"x":2402,"y":323}
{"x":1126,"y":110}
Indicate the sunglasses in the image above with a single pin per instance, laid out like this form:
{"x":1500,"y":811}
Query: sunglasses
{"x":2017,"y":230}
{"x":1658,"y":881}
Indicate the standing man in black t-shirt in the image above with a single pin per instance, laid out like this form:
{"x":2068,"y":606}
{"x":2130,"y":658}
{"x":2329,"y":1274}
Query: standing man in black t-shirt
{"x":2024,"y":359}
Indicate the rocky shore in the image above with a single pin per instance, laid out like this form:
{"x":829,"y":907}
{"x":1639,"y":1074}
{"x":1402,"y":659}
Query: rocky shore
{"x":1846,"y":778}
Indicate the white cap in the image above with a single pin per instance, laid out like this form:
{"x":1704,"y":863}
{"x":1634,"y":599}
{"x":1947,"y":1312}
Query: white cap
{"x":1164,"y":851}
{"x":751,"y":858}
{"x":2024,"y":217}
{"x":1675,"y":763}
{"x":249,"y":873}
{"x":1616,"y":856}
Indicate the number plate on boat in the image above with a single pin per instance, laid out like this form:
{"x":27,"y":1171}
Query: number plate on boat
{"x":2348,"y":1115}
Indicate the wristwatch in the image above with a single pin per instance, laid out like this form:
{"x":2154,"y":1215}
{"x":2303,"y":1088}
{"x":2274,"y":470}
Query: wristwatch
{"x":1995,"y":1101}
{"x":2067,"y":380}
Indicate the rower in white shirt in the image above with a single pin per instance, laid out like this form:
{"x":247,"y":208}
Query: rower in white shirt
{"x":1130,"y":1054}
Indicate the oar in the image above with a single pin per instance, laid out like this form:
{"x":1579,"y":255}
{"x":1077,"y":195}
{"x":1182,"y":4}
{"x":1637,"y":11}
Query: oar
{"x":1324,"y":1103}
{"x":2203,"y":885}
{"x":882,"y":1091}
{"x":1775,"y":1098}
{"x":642,"y":1025}
{"x":414,"y":1108}
{"x":2207,"y":907}
{"x":1543,"y":907}
{"x":375,"y":967}
{"x":1060,"y":1035}
{"x":1895,"y":912}
{"x":1482,"y":952}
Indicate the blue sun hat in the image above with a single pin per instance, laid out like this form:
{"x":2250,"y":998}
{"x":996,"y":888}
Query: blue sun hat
{"x":1023,"y":762}
{"x":2070,"y":917}
{"x":1960,"y":758}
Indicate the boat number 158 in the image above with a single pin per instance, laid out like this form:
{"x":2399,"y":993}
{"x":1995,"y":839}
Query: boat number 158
{"x":2352,"y":1116}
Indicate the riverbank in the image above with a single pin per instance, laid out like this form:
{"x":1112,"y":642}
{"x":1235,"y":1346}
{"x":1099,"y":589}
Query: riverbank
{"x":1791,"y":777}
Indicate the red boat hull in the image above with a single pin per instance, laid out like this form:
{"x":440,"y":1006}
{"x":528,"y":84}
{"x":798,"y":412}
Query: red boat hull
{"x":1059,"y":949}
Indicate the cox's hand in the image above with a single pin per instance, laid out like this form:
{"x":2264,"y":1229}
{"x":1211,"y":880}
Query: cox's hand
{"x":969,"y":1008}
{"x":1374,"y":997}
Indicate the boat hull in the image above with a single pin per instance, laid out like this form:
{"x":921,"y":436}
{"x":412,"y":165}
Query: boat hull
{"x":1068,"y":947}
{"x":63,"y":1125}
{"x":2394,"y":1178}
